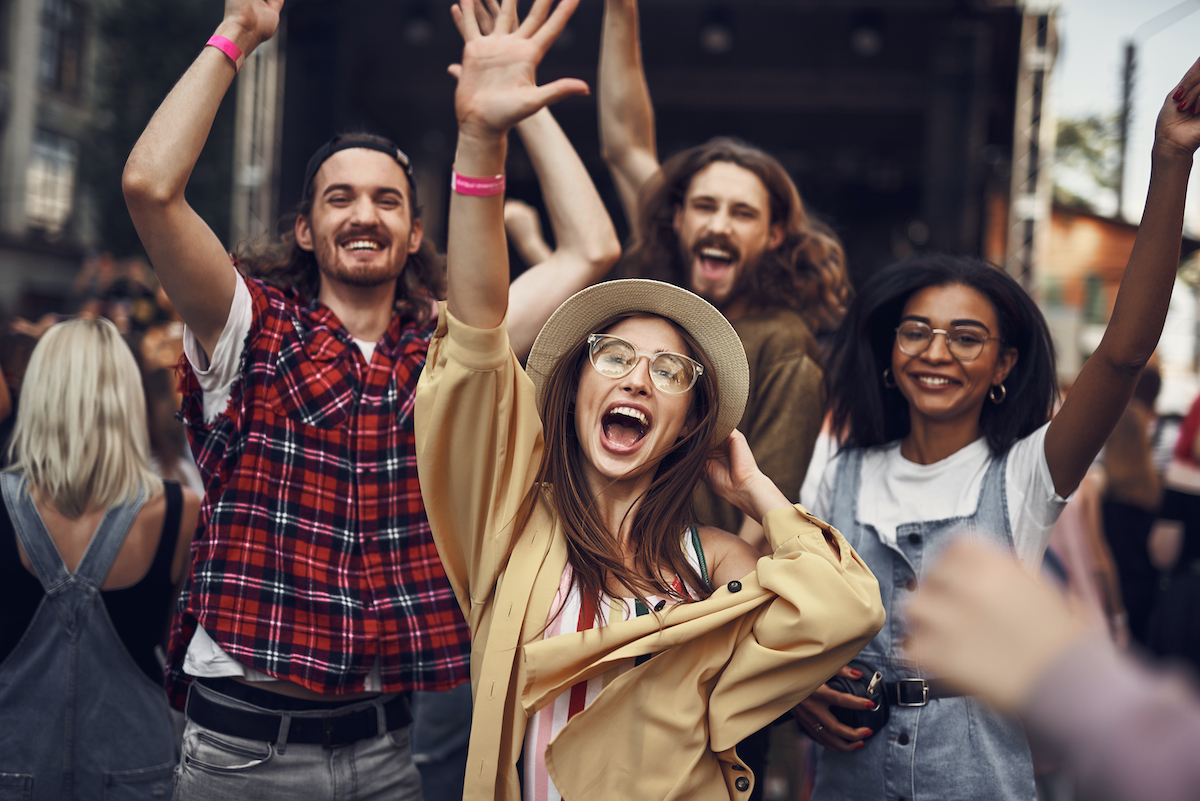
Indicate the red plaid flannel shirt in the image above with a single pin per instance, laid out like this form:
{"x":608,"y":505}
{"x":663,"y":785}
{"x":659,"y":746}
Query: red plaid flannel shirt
{"x":314,"y":556}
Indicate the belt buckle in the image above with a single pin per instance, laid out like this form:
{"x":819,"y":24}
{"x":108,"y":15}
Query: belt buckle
{"x":900,"y":694}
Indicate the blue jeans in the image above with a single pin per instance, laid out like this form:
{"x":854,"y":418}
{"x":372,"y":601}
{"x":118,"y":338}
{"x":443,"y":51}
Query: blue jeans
{"x":221,"y":767}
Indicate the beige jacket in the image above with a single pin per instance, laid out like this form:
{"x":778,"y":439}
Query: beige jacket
{"x":725,"y":666}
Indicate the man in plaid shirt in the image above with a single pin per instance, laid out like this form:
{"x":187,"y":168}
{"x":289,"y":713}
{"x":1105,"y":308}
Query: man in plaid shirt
{"x":316,"y":600}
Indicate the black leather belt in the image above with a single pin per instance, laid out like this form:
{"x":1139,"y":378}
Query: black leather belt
{"x":328,"y":730}
{"x":917,"y":692}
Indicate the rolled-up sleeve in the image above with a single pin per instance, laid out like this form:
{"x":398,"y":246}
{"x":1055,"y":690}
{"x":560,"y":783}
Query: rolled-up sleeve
{"x":825,"y":610}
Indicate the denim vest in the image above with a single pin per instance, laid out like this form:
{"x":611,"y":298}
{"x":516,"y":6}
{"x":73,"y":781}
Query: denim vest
{"x":78,"y":718}
{"x":952,"y":748}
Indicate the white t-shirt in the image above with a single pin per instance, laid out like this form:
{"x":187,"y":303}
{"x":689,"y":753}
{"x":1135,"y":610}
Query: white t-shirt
{"x":895,"y":491}
{"x":216,"y":376}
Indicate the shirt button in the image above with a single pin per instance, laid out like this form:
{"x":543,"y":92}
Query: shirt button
{"x":742,"y":784}
{"x":915,"y":539}
{"x":903,"y":738}
{"x":735,"y":586}
{"x":911,"y":585}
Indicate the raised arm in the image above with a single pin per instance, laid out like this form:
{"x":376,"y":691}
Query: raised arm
{"x":190,"y":261}
{"x":586,"y":243}
{"x":1107,"y":380}
{"x":496,"y":89}
{"x":626,"y":113}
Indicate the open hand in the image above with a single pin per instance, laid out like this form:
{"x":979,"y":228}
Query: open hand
{"x":733,"y":475}
{"x":983,"y":622}
{"x":497,"y":82}
{"x":256,"y":19}
{"x":1178,"y":124}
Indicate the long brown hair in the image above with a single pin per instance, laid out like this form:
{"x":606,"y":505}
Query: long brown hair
{"x":283,"y":263}
{"x":807,"y":272}
{"x":594,"y":553}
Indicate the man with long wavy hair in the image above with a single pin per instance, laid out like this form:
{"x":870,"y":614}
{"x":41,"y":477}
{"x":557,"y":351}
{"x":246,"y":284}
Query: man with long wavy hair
{"x":725,"y":220}
{"x":317,"y":601}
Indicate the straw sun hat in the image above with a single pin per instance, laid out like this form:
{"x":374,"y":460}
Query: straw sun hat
{"x":582,"y":314}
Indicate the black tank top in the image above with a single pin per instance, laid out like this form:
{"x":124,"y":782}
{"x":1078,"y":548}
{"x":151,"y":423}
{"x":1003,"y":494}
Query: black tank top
{"x":140,"y":613}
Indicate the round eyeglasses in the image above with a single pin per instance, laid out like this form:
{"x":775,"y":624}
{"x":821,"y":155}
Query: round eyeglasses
{"x":965,"y":342}
{"x":614,"y":357}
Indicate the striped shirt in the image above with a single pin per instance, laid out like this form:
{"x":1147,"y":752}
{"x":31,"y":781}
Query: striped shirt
{"x":571,"y":613}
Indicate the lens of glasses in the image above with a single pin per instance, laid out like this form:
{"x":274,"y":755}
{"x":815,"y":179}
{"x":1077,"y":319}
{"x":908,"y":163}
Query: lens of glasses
{"x":614,"y":358}
{"x":965,"y":343}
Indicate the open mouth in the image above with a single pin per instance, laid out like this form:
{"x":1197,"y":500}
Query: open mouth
{"x":624,"y":426}
{"x":714,"y":260}
{"x":359,"y":245}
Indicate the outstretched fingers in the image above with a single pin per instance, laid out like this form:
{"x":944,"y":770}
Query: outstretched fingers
{"x":460,"y":21}
{"x":549,"y":27}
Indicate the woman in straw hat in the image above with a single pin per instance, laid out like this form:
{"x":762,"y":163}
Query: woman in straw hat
{"x":619,"y":649}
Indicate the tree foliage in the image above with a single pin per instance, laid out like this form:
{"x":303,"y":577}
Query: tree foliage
{"x":146,"y":46}
{"x":1088,"y":149}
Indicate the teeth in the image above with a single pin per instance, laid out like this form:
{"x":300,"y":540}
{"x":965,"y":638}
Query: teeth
{"x":716,"y":253}
{"x":362,"y":244}
{"x":934,"y":381}
{"x":634,"y":413}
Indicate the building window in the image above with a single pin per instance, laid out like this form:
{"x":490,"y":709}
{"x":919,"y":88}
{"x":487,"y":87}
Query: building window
{"x":62,"y":46}
{"x":50,"y":183}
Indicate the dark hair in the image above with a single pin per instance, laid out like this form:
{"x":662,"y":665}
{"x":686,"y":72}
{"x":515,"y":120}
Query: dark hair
{"x":807,"y":272}
{"x":870,"y":413}
{"x":284,"y":264}
{"x":666,"y":510}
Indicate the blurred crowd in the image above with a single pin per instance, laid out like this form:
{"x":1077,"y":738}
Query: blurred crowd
{"x":126,"y":292}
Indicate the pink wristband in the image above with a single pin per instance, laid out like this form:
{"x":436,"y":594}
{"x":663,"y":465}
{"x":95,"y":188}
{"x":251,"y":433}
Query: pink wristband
{"x":476,"y":187}
{"x":228,"y":48}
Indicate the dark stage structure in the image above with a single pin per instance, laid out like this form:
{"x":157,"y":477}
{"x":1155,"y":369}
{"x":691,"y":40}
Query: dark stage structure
{"x":896,"y":118}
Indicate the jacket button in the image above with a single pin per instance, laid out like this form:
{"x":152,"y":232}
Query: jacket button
{"x":735,"y":586}
{"x":742,"y":784}
{"x":737,"y":767}
{"x":903,"y":738}
{"x":914,"y":538}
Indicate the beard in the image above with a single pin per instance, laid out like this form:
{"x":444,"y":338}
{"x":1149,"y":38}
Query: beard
{"x":332,"y":266}
{"x":741,"y":279}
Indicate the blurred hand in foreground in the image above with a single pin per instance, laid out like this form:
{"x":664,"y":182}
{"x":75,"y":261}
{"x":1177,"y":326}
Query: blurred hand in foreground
{"x":987,"y":625}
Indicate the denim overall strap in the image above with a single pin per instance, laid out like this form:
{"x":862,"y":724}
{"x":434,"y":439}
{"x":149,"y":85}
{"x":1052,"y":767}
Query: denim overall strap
{"x":990,"y":520}
{"x":846,"y":482}
{"x":31,"y":530}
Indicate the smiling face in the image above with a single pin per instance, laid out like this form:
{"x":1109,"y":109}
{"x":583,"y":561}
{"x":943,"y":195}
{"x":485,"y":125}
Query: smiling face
{"x":938,"y":387}
{"x":724,"y":228}
{"x":361,"y":227}
{"x":625,"y":425}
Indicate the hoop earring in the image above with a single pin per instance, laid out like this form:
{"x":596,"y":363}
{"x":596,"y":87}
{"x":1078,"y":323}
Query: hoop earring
{"x":1003,"y":393}
{"x":889,"y":380}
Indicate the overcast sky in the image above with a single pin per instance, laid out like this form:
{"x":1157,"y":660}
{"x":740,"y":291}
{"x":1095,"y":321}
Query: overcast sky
{"x":1088,"y":75}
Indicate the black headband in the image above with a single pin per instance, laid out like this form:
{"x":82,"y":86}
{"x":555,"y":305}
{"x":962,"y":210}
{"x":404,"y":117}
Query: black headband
{"x":347,"y":142}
